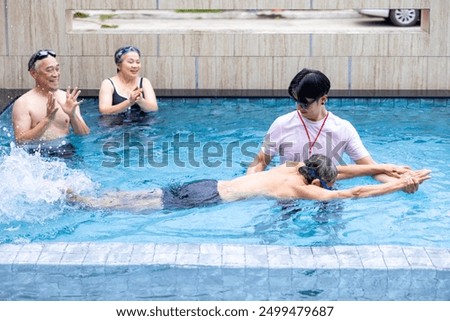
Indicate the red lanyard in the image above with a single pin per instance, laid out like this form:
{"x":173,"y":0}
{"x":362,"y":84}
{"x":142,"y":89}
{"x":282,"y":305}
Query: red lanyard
{"x":311,"y":145}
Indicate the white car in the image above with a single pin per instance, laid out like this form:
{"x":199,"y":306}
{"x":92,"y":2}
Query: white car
{"x":399,"y":17}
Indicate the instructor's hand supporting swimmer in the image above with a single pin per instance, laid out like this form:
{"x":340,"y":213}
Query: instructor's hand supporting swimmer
{"x":413,"y":179}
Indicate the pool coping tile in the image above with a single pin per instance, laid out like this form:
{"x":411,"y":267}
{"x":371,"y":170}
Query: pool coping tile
{"x":384,"y":257}
{"x":388,"y":272}
{"x":439,"y":257}
{"x":142,"y":254}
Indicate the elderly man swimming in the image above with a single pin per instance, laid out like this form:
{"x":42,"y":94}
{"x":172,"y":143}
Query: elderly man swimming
{"x":311,"y":180}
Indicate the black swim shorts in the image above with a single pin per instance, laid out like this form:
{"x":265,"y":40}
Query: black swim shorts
{"x":193,"y":194}
{"x":47,"y":150}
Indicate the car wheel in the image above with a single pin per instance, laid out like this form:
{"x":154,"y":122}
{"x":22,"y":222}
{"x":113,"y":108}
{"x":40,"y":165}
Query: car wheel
{"x":404,"y":17}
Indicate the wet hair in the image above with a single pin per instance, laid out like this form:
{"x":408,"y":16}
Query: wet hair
{"x":309,"y":83}
{"x":319,"y":167}
{"x":124,"y":50}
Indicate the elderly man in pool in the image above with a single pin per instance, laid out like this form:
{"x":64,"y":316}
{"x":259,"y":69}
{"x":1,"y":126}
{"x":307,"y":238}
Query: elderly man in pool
{"x":45,"y":112}
{"x":311,"y":180}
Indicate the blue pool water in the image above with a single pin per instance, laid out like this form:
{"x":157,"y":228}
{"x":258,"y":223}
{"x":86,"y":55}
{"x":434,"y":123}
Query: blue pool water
{"x":193,"y":139}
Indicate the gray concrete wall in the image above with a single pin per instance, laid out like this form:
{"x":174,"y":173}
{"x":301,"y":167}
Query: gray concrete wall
{"x":196,"y":61}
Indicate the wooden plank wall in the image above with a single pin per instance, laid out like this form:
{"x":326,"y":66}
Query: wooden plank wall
{"x":231,"y":61}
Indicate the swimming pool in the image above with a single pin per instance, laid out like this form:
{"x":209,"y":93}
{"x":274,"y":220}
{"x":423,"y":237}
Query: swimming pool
{"x":193,"y":139}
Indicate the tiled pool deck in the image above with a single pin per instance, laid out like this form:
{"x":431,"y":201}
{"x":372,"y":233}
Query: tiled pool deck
{"x":122,"y":271}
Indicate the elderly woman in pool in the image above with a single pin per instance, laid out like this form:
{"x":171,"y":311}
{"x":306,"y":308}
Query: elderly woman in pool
{"x":311,"y":180}
{"x":127,"y":90}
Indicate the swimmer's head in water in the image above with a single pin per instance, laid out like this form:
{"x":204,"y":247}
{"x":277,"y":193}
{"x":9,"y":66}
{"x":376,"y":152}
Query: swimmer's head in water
{"x":319,"y":167}
{"x":124,"y":50}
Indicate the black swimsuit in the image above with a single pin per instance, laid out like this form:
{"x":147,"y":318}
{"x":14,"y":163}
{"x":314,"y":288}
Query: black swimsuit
{"x":133,"y":114}
{"x":117,"y":99}
{"x":193,"y":194}
{"x":51,"y":148}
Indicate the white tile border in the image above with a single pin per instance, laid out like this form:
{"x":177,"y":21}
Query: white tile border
{"x":149,"y":271}
{"x":384,"y":257}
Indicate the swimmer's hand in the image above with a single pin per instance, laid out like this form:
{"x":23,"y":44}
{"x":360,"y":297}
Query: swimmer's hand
{"x":412,"y":179}
{"x":136,"y":95}
{"x":71,"y":104}
{"x":51,"y":106}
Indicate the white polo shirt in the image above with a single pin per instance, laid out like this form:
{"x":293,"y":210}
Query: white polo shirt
{"x":288,"y":138}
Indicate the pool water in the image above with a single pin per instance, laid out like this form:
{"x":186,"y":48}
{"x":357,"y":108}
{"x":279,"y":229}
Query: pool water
{"x":191,"y":139}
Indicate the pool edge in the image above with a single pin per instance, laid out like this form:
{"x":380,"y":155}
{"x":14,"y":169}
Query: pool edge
{"x":174,"y":271}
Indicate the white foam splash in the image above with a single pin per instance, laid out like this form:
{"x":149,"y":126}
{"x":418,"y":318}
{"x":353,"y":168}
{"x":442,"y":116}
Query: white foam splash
{"x":33,"y":188}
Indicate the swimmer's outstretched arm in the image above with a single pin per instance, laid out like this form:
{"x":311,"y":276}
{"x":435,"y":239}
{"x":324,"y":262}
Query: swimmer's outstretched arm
{"x":411,"y":178}
{"x":133,"y":200}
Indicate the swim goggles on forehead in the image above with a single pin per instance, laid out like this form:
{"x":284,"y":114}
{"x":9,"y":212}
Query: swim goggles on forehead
{"x":124,"y":50}
{"x":41,"y":54}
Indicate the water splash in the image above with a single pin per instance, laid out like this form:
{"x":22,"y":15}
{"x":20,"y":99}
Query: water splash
{"x":33,"y":189}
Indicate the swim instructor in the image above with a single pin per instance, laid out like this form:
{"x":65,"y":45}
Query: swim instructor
{"x":46,"y":112}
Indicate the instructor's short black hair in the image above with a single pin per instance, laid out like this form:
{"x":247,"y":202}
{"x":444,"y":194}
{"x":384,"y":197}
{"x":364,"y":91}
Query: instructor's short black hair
{"x":309,"y":83}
